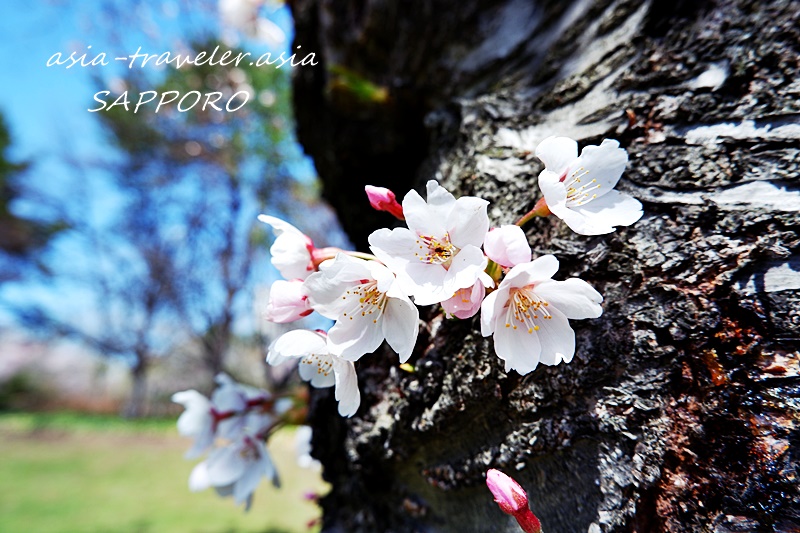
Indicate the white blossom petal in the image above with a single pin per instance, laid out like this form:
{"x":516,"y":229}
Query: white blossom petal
{"x":197,"y":411}
{"x":317,"y":369}
{"x":384,"y":277}
{"x":425,"y":283}
{"x":345,"y":268}
{"x":268,"y":465}
{"x":556,"y":337}
{"x":259,"y":465}
{"x":557,"y":153}
{"x":582,"y":224}
{"x":615,"y":208}
{"x":518,"y":348}
{"x":573,"y":297}
{"x":295,"y":343}
{"x":225,"y":465}
{"x":243,"y":489}
{"x":605,"y":164}
{"x":229,"y":396}
{"x":491,"y":307}
{"x":395,"y":243}
{"x":196,"y":421}
{"x":347,"y":392}
{"x":468,"y":222}
{"x":198,"y":479}
{"x":464,"y":271}
{"x":440,"y":201}
{"x":290,"y":251}
{"x":401,"y":326}
{"x":540,"y":269}
{"x":355,"y":335}
{"x":422,"y":218}
{"x":396,"y":249}
{"x":326,"y":287}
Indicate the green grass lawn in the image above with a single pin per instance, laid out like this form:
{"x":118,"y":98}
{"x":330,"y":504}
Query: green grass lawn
{"x":78,"y":473}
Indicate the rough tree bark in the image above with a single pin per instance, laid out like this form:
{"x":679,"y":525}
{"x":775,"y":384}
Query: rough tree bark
{"x":680,"y":410}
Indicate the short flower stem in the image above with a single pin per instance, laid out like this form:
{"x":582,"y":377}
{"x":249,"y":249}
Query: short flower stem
{"x":319,"y":255}
{"x":323,"y":254}
{"x":539,"y":210}
{"x":362,"y":255}
{"x":528,"y":521}
{"x":494,"y":270}
{"x":269,"y":430}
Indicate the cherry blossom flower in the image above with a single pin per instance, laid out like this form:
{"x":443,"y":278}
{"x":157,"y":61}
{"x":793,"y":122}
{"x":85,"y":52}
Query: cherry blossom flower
{"x":196,"y":421}
{"x":528,"y":315}
{"x":292,"y":250}
{"x":368,"y":305}
{"x":579,"y":190}
{"x":512,"y":499}
{"x":507,"y":246}
{"x":440,"y":252}
{"x":235,"y":470}
{"x":382,"y":199}
{"x":233,"y":409}
{"x":288,"y":302}
{"x":238,"y":408}
{"x":465,"y":303}
{"x":318,"y":366}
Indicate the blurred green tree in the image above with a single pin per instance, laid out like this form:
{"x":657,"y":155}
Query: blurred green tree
{"x":21,"y":237}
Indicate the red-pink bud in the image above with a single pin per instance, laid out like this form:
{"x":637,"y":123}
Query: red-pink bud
{"x":382,"y":199}
{"x":512,"y":499}
{"x":507,"y":492}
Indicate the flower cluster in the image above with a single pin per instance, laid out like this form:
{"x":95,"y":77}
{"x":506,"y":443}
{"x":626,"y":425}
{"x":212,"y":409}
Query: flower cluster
{"x":447,"y":254}
{"x":232,"y":427}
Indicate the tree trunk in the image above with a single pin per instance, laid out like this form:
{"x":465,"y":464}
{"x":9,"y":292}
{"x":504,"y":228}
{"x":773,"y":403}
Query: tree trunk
{"x":137,"y":402}
{"x":680,"y":409}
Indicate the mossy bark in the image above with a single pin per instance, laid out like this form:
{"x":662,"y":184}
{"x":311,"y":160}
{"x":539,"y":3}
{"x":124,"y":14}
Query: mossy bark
{"x":680,"y":409}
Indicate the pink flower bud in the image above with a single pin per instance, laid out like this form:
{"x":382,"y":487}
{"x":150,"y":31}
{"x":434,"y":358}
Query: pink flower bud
{"x":466,"y":302}
{"x":512,"y":499}
{"x":507,"y":246}
{"x":507,"y":492}
{"x":287,"y":302}
{"x":382,"y":199}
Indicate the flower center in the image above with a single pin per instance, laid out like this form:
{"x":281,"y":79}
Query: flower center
{"x":578,"y":194}
{"x":323,"y":362}
{"x":365,"y":299}
{"x":525,"y":308}
{"x":436,"y":251}
{"x":249,"y":452}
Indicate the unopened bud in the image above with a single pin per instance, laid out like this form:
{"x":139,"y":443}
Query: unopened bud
{"x":512,"y":499}
{"x":382,"y":199}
